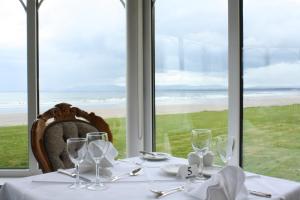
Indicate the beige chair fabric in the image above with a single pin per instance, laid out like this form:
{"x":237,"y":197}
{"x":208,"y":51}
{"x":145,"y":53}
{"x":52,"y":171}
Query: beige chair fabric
{"x":55,"y":140}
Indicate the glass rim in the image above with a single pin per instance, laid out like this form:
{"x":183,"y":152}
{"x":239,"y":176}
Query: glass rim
{"x":96,"y":133}
{"x":76,"y":139}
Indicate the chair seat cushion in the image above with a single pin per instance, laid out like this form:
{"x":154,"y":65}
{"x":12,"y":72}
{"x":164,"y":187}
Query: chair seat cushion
{"x":55,"y":140}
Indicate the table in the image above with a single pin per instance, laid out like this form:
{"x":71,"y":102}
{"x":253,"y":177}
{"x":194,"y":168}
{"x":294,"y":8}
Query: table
{"x":55,"y":186}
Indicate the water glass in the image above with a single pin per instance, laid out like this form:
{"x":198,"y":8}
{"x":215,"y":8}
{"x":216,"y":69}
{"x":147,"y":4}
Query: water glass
{"x":225,"y":147}
{"x":97,"y":146}
{"x":76,"y":148}
{"x":201,"y":139}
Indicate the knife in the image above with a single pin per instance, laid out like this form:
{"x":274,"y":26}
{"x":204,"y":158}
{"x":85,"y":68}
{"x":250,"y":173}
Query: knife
{"x":73,"y":175}
{"x":260,"y":194}
{"x":106,"y":181}
{"x":149,"y":153}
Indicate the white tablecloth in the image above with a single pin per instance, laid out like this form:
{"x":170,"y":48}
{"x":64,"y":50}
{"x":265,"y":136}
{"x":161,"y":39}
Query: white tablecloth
{"x":54,"y":186}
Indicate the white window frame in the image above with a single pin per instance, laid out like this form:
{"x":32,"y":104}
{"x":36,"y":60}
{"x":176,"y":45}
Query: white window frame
{"x":146,"y":110}
{"x":31,"y":12}
{"x":235,"y":81}
{"x":140,"y":78}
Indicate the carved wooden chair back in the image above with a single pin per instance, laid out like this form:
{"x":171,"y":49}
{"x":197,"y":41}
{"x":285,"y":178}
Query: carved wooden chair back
{"x":50,"y":131}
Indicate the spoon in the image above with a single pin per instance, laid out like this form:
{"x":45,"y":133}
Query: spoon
{"x":160,"y":193}
{"x":134,"y":172}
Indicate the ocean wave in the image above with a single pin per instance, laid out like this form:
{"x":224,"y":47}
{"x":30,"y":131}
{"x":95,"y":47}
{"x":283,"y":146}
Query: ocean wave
{"x":17,"y":102}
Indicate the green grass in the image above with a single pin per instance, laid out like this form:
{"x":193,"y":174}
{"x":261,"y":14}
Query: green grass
{"x":13,"y":147}
{"x":272,"y":141}
{"x":271,"y":138}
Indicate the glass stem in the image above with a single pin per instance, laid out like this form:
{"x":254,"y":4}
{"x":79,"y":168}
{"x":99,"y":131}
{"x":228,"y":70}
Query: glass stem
{"x":201,"y":163}
{"x":77,"y":174}
{"x":97,"y":172}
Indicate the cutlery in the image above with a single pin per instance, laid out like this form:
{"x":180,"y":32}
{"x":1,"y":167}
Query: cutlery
{"x":260,"y":194}
{"x":104,"y":181}
{"x":73,"y":175}
{"x":160,"y":193}
{"x":149,"y":153}
{"x":134,"y":172}
{"x":50,"y":181}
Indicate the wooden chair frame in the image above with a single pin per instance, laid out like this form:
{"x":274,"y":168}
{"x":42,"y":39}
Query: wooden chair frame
{"x":61,"y":112}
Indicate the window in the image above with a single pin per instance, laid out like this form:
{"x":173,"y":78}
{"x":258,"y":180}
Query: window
{"x":191,"y":43}
{"x":82,"y":59}
{"x":13,"y":86}
{"x":271,"y":87}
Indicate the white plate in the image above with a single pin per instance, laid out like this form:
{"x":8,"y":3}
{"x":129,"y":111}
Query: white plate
{"x":158,"y":156}
{"x":171,"y":169}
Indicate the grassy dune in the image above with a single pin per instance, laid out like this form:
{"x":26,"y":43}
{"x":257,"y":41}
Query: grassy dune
{"x":271,"y":138}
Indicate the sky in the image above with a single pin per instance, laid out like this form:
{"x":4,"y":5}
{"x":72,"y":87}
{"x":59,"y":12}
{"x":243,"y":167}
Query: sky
{"x":83,"y":46}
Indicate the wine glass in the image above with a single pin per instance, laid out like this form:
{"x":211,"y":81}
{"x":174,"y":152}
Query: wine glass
{"x":201,"y":139}
{"x":97,"y":146}
{"x":76,"y":148}
{"x":225,"y":147}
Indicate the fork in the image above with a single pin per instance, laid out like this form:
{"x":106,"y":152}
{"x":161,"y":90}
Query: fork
{"x":160,"y":193}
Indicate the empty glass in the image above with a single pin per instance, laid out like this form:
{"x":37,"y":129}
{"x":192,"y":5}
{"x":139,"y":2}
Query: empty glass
{"x":201,"y":139}
{"x":77,"y":150}
{"x":225,"y":147}
{"x":97,"y":146}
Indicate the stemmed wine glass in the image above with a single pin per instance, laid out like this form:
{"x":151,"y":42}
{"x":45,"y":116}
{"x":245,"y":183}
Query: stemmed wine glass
{"x":225,"y":147}
{"x":97,"y":146}
{"x":201,"y":139}
{"x":77,"y":150}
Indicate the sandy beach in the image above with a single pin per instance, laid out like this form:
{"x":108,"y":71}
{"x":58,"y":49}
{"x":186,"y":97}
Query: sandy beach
{"x":10,"y":119}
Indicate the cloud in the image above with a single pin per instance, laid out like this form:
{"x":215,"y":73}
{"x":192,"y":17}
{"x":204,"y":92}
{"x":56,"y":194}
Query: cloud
{"x":272,"y":23}
{"x":176,"y":17}
{"x":120,"y":81}
{"x":13,"y":25}
{"x":87,"y":42}
{"x":187,"y":78}
{"x":74,"y":18}
{"x":273,"y":76}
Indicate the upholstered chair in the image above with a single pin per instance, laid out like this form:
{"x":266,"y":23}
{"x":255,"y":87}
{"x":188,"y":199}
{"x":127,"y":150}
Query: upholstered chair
{"x":51,"y":130}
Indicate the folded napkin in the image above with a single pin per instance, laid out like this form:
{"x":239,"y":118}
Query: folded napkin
{"x":194,"y":159}
{"x":228,"y":184}
{"x":107,"y":161}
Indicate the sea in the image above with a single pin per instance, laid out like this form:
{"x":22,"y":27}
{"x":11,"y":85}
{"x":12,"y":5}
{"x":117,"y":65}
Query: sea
{"x":16,"y":102}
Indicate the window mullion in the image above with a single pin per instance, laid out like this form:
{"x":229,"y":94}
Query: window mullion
{"x":135,"y":116}
{"x":148,"y":76}
{"x":32,"y":73}
{"x":139,"y":77}
{"x":235,"y":78}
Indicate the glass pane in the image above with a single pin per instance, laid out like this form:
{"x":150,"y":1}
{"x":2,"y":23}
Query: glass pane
{"x":83,"y":61}
{"x":190,"y":71}
{"x":272,"y":87}
{"x":13,"y":86}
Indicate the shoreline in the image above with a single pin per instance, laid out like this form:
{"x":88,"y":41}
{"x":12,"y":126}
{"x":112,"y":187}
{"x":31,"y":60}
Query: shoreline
{"x":220,"y":104}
